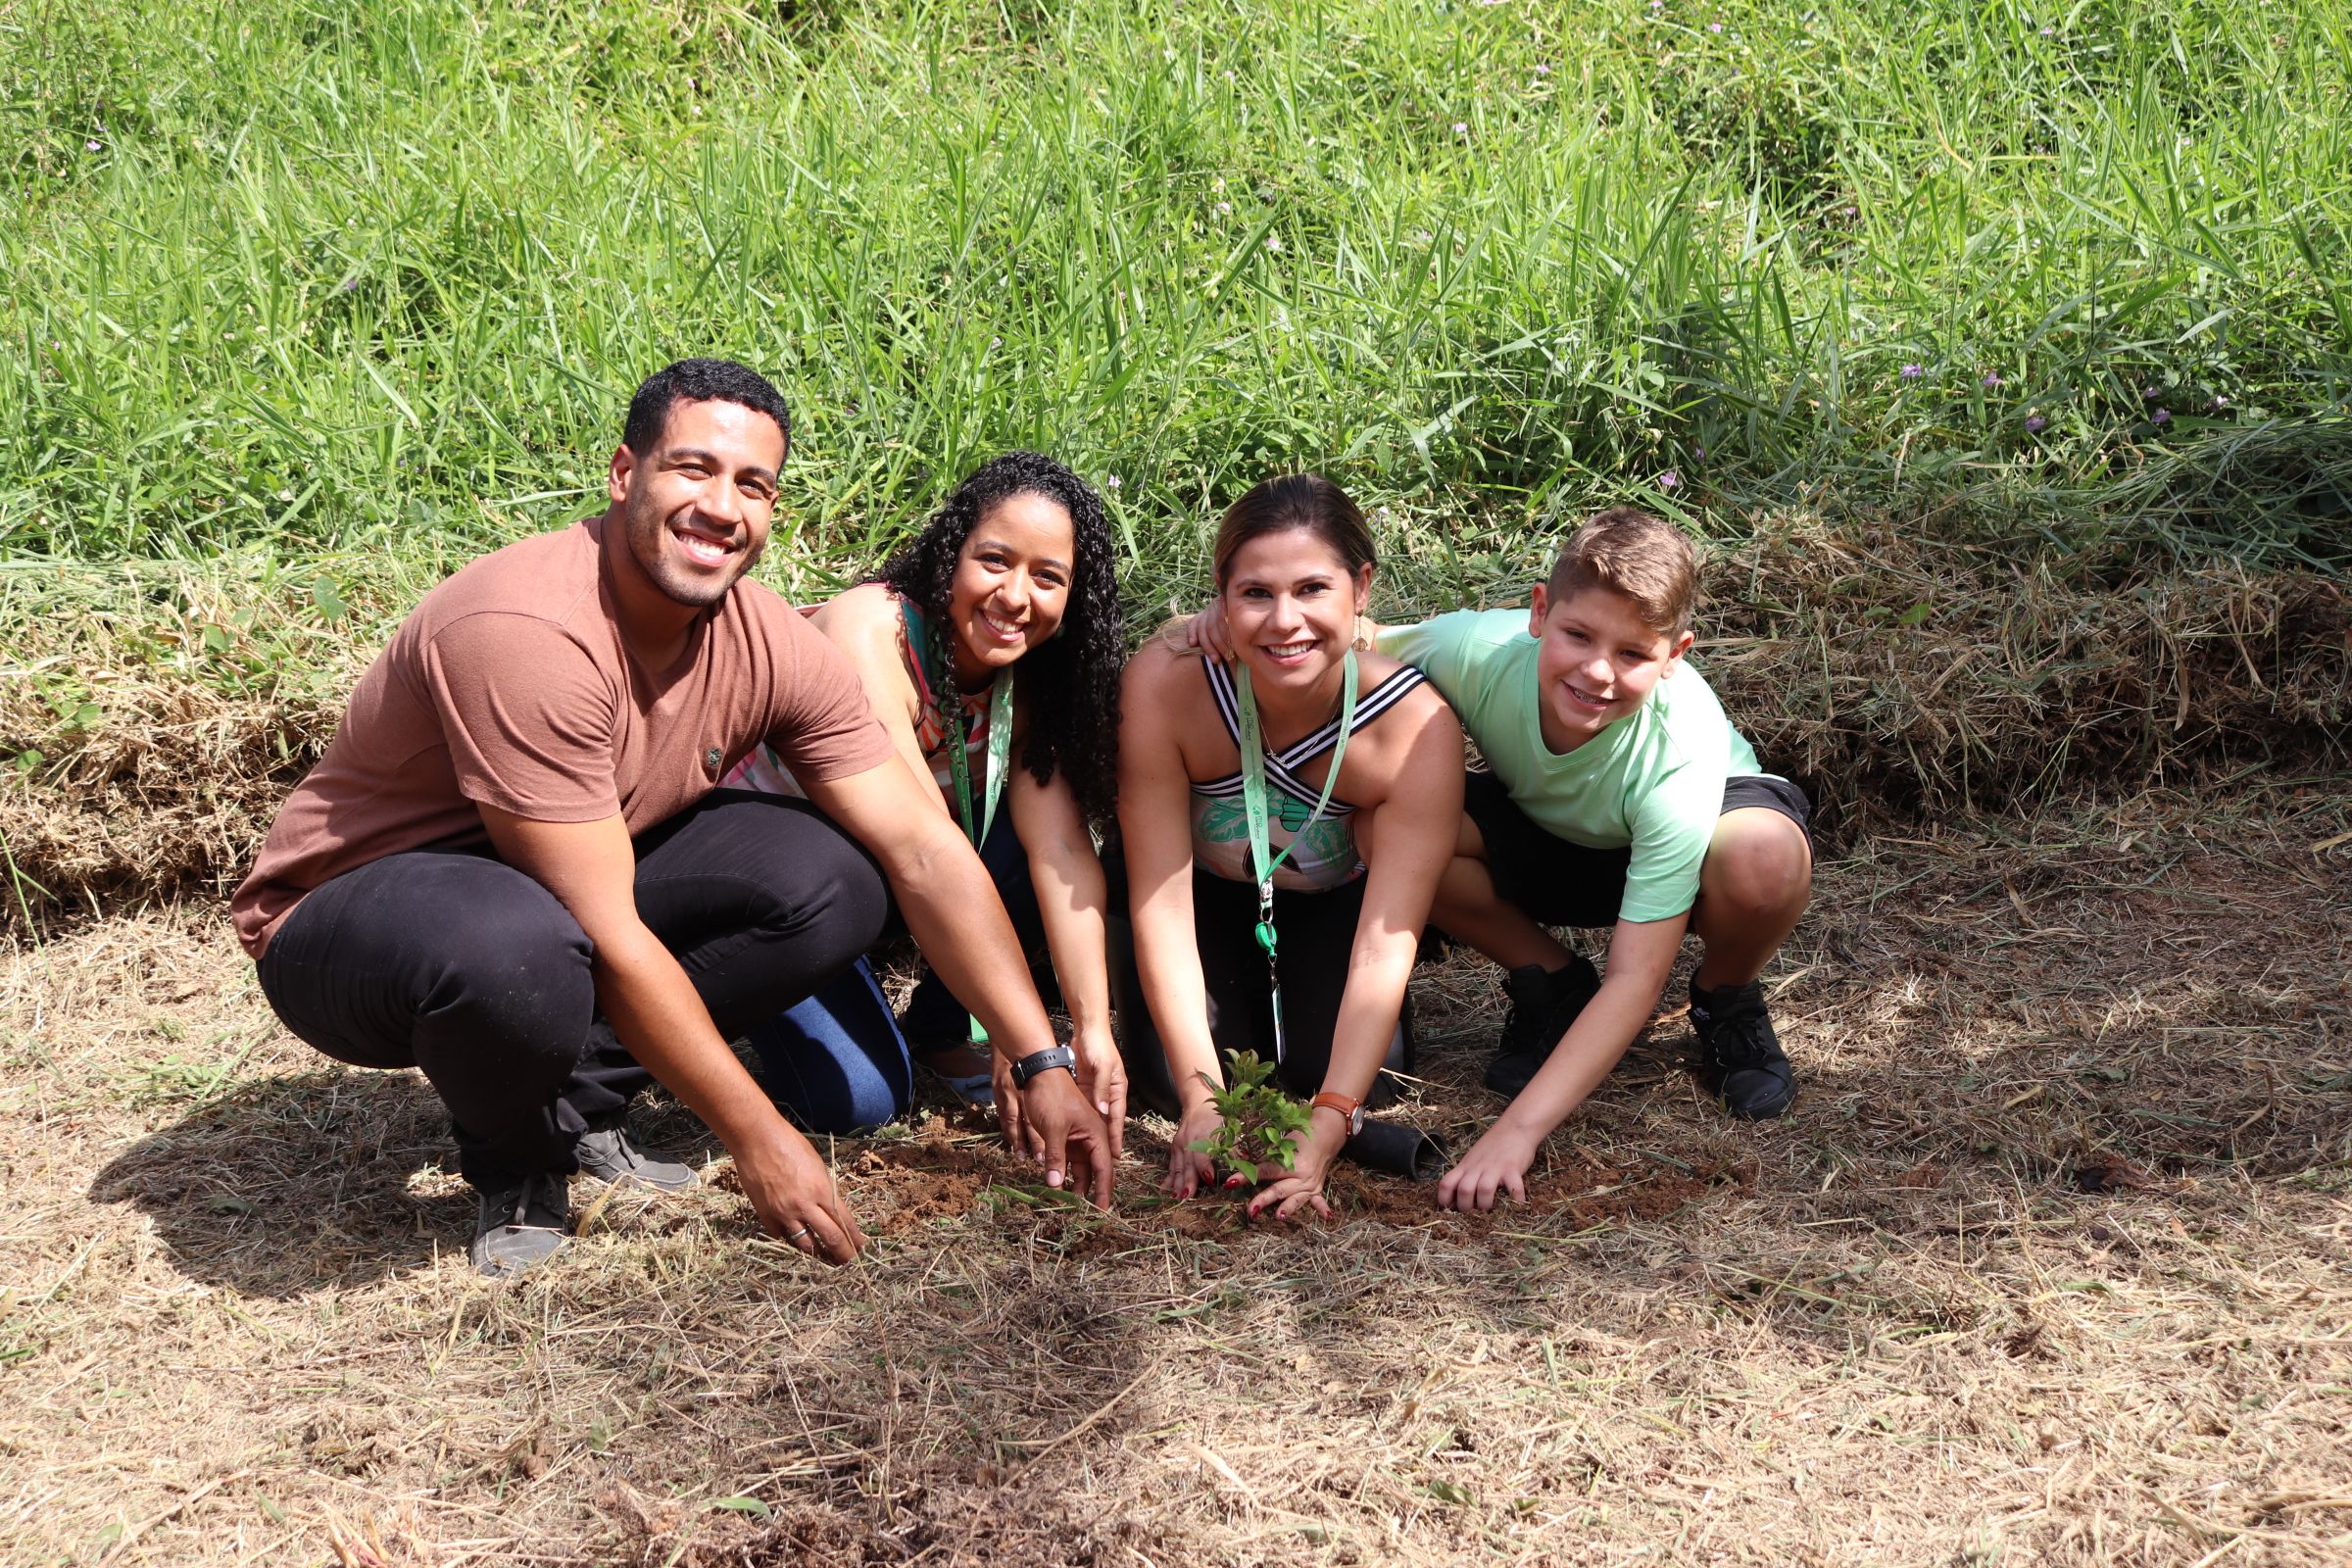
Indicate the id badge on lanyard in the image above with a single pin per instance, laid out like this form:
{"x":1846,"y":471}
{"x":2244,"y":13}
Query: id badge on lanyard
{"x":1253,"y":806}
{"x":1000,"y":753}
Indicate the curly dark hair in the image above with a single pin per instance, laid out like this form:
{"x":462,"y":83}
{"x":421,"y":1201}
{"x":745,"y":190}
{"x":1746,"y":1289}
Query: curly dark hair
{"x":1070,"y":685}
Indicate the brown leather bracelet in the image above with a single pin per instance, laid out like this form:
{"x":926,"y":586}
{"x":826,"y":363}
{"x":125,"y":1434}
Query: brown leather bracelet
{"x":1350,"y":1109}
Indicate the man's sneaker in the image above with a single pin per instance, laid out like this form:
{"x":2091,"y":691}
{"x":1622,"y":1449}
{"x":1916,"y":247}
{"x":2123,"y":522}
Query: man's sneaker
{"x":1543,"y":1007}
{"x":606,"y":1155}
{"x":521,"y":1225}
{"x":1739,"y":1057}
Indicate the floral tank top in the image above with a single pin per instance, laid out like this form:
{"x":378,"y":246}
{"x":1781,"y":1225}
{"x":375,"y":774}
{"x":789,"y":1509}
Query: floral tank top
{"x":762,"y":771}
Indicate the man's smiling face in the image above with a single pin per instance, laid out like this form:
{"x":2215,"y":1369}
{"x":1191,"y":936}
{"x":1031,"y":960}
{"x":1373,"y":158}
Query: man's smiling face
{"x":696,"y":508}
{"x":1596,"y":663}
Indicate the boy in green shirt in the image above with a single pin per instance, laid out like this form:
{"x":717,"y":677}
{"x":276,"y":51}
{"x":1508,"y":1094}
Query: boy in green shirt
{"x":1620,"y":796}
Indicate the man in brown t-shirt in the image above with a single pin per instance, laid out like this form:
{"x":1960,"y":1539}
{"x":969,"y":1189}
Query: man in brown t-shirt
{"x":510,"y":868}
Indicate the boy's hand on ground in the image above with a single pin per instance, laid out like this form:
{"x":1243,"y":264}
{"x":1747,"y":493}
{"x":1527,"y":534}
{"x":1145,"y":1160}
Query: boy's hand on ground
{"x":1189,"y":1170}
{"x":1206,"y":631}
{"x":793,"y":1196}
{"x":1076,"y":1143}
{"x":1496,"y":1166}
{"x":1102,"y":1077}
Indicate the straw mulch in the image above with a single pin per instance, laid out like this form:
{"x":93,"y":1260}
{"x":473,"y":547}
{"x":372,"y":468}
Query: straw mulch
{"x":1890,"y":674}
{"x":2047,"y":1267}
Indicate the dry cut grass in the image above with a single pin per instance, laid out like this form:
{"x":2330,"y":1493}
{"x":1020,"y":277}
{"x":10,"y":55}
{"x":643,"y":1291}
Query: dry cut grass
{"x":1889,"y":672}
{"x":2049,"y":1266}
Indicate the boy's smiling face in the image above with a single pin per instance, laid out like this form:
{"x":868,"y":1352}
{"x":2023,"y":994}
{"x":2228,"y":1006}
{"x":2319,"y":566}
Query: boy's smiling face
{"x":1595,"y":661}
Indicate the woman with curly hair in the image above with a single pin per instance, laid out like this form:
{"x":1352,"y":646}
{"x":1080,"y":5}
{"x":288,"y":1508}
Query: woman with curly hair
{"x":1001,"y":612}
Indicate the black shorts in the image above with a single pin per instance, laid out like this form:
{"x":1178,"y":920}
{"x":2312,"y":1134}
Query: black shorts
{"x":1559,"y":883}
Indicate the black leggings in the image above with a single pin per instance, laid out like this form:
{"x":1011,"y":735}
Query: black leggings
{"x":1316,"y":936}
{"x":453,"y":961}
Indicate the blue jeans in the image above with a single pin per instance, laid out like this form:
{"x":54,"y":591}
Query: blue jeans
{"x":838,"y":1062}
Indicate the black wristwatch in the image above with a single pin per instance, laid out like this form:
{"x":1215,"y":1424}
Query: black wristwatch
{"x":1046,"y":1060}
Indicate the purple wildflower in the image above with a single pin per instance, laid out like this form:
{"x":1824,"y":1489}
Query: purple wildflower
{"x":1224,"y":207}
{"x":2149,"y":393}
{"x":1912,"y":373}
{"x":1992,"y":379}
{"x":93,"y":146}
{"x":1714,"y":27}
{"x":2161,"y":417}
{"x":1699,"y":452}
{"x":1669,"y":479}
{"x":1543,"y":70}
{"x":1111,"y":481}
{"x":1461,"y":127}
{"x":2035,"y":424}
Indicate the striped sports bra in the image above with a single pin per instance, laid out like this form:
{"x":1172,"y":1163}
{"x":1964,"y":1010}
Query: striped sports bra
{"x":1325,"y":855}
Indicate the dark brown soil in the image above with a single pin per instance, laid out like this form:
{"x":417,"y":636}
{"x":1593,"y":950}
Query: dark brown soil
{"x":946,"y":1171}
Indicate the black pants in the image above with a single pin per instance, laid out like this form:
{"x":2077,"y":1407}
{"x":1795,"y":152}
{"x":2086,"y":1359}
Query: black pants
{"x":454,"y":962}
{"x":1315,"y":938}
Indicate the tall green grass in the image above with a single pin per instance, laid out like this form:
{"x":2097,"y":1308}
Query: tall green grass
{"x":377,"y":277}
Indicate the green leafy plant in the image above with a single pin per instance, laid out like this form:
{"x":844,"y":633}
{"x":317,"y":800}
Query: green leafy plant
{"x":1259,"y":1120}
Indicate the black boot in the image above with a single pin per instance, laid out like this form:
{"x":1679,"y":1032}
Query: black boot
{"x":1543,"y":1007}
{"x":1739,"y":1057}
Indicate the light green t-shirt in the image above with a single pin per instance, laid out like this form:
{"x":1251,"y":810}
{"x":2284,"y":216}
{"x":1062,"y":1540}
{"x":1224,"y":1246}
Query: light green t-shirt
{"x":1652,"y":780}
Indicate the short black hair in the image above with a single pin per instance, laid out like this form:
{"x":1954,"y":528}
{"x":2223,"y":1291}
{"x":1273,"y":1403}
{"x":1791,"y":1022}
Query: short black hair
{"x":699,"y":381}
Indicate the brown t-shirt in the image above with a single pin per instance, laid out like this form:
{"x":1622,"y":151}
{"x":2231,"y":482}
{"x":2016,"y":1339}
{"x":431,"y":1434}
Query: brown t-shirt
{"x":508,"y":685}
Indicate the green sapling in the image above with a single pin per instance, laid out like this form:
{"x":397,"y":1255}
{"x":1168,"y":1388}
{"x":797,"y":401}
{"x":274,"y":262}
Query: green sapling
{"x":1258,"y":1119}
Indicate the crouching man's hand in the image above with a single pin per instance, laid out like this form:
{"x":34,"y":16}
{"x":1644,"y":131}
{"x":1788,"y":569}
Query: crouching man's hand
{"x":793,"y":1193}
{"x":1077,"y":1144}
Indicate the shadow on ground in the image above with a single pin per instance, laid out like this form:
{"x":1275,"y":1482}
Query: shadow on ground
{"x":285,"y":1185}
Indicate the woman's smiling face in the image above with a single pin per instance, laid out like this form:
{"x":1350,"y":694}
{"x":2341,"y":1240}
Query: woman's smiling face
{"x":1012,"y":586}
{"x":1291,"y":604}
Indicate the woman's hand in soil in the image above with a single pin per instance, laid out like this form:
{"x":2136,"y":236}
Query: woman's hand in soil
{"x":793,"y":1193}
{"x":1076,"y":1143}
{"x":1496,"y":1167}
{"x":1189,"y":1170}
{"x":1291,"y":1193}
{"x":1102,"y":1075}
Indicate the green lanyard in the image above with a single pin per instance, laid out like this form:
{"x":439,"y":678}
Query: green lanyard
{"x":999,"y":752}
{"x":1253,"y":806}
